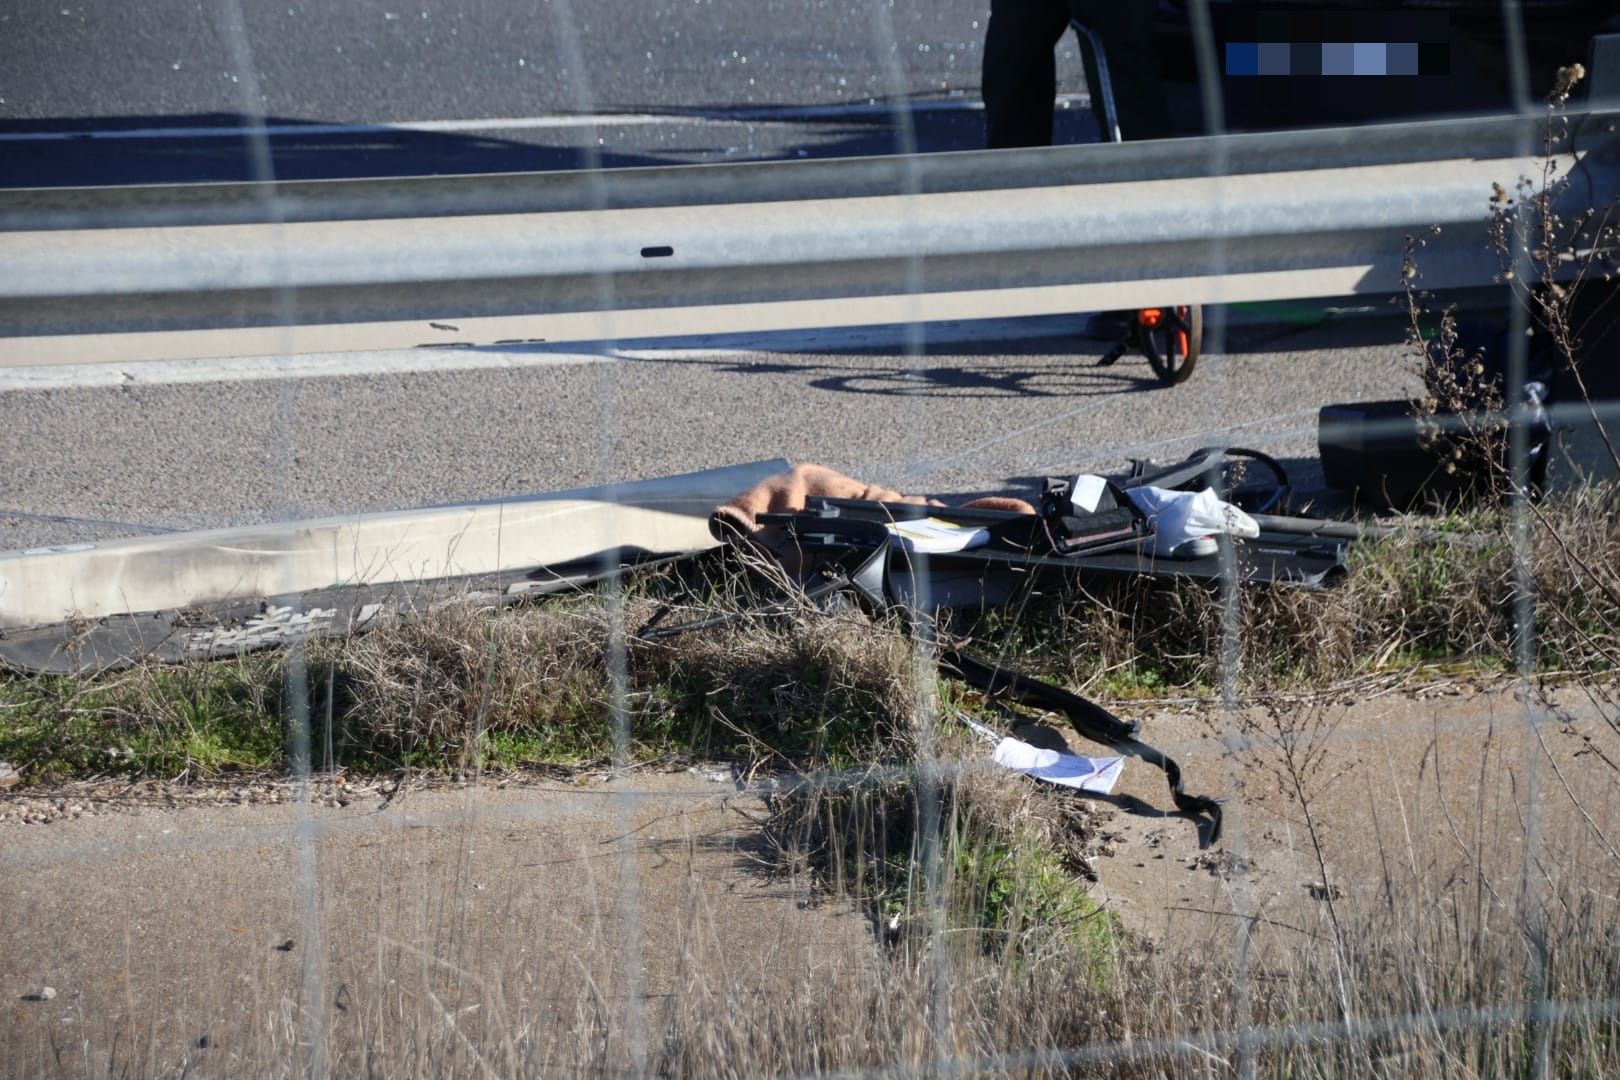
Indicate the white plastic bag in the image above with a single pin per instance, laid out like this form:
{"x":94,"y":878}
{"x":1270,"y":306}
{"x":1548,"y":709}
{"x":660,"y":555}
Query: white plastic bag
{"x":1179,"y":516}
{"x":1055,"y":767}
{"x":1176,"y":516}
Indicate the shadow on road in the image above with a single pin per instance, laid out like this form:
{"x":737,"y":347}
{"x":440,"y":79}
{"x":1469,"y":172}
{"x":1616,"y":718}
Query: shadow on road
{"x":1063,"y":375}
{"x":1077,"y":379}
{"x":210,"y":147}
{"x":71,"y":151}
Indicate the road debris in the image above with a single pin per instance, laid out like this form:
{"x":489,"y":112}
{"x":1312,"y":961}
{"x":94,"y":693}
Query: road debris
{"x":1323,"y":891}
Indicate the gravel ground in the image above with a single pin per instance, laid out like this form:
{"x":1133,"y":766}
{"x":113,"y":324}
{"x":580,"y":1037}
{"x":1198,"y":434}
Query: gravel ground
{"x":100,"y":797}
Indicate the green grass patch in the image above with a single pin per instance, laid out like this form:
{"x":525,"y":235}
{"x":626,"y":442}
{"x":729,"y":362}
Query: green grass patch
{"x":998,"y":858}
{"x":198,"y":720}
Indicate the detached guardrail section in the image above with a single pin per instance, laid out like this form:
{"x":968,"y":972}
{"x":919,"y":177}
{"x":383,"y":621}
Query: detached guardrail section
{"x":83,"y":606}
{"x":132,"y":274}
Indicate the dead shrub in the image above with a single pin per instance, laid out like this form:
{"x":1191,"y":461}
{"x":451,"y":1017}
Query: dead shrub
{"x":801,"y":686}
{"x":440,"y":681}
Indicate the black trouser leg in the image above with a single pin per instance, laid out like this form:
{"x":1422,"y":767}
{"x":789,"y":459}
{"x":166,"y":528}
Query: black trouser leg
{"x":1126,"y":30}
{"x":1020,"y":73}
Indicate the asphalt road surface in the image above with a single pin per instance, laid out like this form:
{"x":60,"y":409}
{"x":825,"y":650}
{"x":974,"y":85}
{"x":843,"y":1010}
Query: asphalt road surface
{"x":984,"y":408}
{"x":159,"y":92}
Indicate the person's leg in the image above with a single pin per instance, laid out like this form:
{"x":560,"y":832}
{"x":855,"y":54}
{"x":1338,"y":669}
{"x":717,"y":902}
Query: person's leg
{"x":1020,"y":73}
{"x":1126,"y":30}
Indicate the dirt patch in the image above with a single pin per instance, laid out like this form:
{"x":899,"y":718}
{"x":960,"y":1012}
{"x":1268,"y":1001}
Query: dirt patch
{"x":635,"y":922}
{"x":216,"y":934}
{"x":1417,"y":796}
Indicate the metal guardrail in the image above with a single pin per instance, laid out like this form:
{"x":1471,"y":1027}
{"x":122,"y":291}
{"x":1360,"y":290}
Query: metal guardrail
{"x":499,"y":544}
{"x":133,"y":274}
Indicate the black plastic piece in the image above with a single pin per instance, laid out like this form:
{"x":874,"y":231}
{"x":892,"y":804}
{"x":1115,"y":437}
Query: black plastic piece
{"x":1214,"y":466}
{"x":1379,"y":451}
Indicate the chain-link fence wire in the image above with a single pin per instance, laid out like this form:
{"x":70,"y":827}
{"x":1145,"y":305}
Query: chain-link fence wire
{"x":1241,"y":1047}
{"x":232,"y":28}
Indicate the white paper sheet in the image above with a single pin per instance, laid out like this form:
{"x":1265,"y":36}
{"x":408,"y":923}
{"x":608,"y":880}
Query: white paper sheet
{"x":1087,"y":774}
{"x":934,"y":535}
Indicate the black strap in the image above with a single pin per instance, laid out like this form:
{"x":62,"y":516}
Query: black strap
{"x":1091,"y":720}
{"x":1200,"y":469}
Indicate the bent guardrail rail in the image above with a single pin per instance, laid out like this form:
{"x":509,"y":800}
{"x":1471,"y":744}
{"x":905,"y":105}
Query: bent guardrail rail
{"x":82,"y":606}
{"x":131,"y":274}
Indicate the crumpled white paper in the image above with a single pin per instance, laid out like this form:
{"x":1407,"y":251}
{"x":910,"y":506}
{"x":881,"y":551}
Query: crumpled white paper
{"x":1087,"y":774}
{"x":1179,"y":516}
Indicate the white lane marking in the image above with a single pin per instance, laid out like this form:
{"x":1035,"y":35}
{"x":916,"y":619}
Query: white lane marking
{"x":765,"y":114}
{"x":313,"y":365}
{"x":516,"y":123}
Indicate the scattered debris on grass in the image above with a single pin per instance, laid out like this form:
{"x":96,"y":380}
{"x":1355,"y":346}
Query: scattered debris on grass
{"x":464,"y":687}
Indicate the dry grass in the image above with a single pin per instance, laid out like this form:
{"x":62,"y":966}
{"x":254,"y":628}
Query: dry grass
{"x":1436,"y":592}
{"x":452,"y":676}
{"x":800,"y":689}
{"x":1430,"y":993}
{"x":457,"y":686}
{"x":998,"y":962}
{"x":1491,"y":980}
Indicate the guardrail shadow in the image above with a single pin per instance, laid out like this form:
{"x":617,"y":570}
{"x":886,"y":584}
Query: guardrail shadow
{"x":73,"y":151}
{"x":214,"y":147}
{"x":1059,"y":353}
{"x":1060,"y":366}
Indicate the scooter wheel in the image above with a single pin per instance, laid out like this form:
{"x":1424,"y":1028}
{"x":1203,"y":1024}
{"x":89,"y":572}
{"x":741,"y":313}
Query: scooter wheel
{"x":1171,"y":338}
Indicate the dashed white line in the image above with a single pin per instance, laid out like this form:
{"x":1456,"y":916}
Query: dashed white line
{"x":251,"y":368}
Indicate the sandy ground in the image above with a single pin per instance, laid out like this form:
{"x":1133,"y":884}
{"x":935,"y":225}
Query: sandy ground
{"x":1410,"y":795}
{"x":185,"y":934}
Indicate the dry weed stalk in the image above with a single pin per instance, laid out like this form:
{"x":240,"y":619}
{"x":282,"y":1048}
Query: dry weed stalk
{"x":1565,"y":564}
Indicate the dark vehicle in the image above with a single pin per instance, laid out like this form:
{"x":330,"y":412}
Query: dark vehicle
{"x":1467,"y":57}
